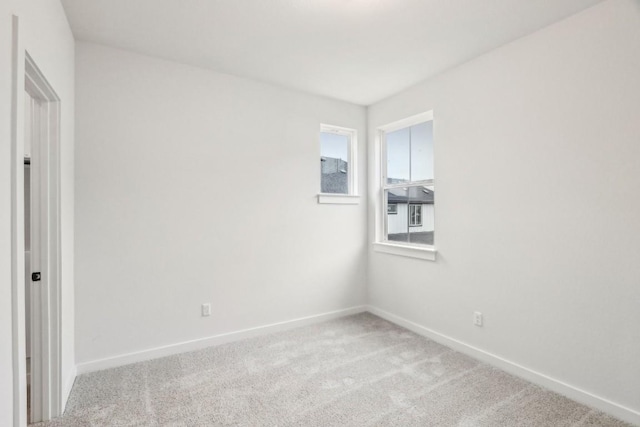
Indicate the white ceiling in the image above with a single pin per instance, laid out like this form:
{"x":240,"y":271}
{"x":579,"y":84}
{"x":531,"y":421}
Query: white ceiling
{"x":355,"y":50}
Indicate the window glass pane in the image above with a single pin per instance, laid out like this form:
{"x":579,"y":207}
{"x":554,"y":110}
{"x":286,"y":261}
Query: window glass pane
{"x":414,"y":220}
{"x":397,"y":224}
{"x":410,"y":154}
{"x":334,"y":160}
{"x":422,"y":151}
{"x":398,"y":155}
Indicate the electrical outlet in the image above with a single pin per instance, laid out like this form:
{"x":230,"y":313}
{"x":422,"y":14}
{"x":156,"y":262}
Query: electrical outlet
{"x":206,"y":310}
{"x":477,"y":318}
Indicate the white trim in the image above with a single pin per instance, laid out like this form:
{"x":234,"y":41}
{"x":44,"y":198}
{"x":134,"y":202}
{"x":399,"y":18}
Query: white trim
{"x":568,"y":390}
{"x":380,"y":242}
{"x":46,"y":357}
{"x":352,"y":161}
{"x":575,"y":393}
{"x":406,"y":122}
{"x":421,"y":252}
{"x":338,"y":130}
{"x":171,"y":349}
{"x":338,"y":199}
{"x":68,"y":386}
{"x":429,"y":183}
{"x":27,"y":76}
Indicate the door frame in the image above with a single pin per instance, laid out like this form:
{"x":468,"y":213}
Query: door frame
{"x":27,"y":77}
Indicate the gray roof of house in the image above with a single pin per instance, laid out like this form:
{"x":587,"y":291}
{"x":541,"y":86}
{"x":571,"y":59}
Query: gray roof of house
{"x":421,"y":195}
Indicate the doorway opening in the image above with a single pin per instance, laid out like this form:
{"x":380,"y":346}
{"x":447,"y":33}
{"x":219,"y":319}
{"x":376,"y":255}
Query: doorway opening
{"x":43,"y":279}
{"x":36,"y":245}
{"x":28,"y":125}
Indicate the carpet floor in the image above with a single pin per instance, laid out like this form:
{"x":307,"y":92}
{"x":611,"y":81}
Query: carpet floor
{"x":355,"y":371}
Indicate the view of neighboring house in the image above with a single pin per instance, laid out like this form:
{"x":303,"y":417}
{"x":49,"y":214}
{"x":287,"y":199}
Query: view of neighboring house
{"x":335,"y":175}
{"x":410,"y":210}
{"x":410,"y":215}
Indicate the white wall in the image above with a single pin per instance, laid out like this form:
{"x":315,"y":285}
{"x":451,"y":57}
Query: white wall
{"x":197,"y":187}
{"x":6,"y":368}
{"x":48,"y":39}
{"x":537,"y":216}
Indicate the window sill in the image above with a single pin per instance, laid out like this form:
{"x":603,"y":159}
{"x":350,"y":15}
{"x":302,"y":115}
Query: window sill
{"x":338,"y":199}
{"x":421,"y":252}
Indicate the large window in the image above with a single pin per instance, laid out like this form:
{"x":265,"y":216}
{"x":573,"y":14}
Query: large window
{"x":408,"y":191}
{"x":337,"y":160}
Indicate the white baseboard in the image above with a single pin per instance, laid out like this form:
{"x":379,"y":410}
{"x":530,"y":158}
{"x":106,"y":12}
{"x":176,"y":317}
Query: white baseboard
{"x":575,"y":393}
{"x":169,"y":350}
{"x":66,"y":391}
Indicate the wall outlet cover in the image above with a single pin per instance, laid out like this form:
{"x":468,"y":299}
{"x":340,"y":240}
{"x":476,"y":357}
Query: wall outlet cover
{"x":477,"y":318}
{"x":206,"y":310}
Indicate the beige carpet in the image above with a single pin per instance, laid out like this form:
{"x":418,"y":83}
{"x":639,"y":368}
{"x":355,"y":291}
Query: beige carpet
{"x":355,"y":371}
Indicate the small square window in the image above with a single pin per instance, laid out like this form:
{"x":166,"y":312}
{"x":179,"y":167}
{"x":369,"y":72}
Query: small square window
{"x":337,"y":160}
{"x":392,"y":209}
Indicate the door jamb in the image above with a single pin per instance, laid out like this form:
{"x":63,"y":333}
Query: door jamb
{"x":27,"y":76}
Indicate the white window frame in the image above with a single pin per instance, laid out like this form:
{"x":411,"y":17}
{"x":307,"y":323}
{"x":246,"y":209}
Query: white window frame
{"x":352,"y":174}
{"x":413,"y":219}
{"x":381,"y":242}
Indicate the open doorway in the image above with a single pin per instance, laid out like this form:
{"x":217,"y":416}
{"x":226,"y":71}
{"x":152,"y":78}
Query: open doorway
{"x":28,"y":125}
{"x":36,"y":242}
{"x":42,"y":341}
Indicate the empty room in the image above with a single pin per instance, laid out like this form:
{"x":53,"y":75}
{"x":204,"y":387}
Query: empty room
{"x":320,"y":213}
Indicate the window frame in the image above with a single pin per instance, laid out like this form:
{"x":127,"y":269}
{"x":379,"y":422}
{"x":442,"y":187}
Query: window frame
{"x":418,"y":215}
{"x":351,"y":197}
{"x":381,"y":242}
